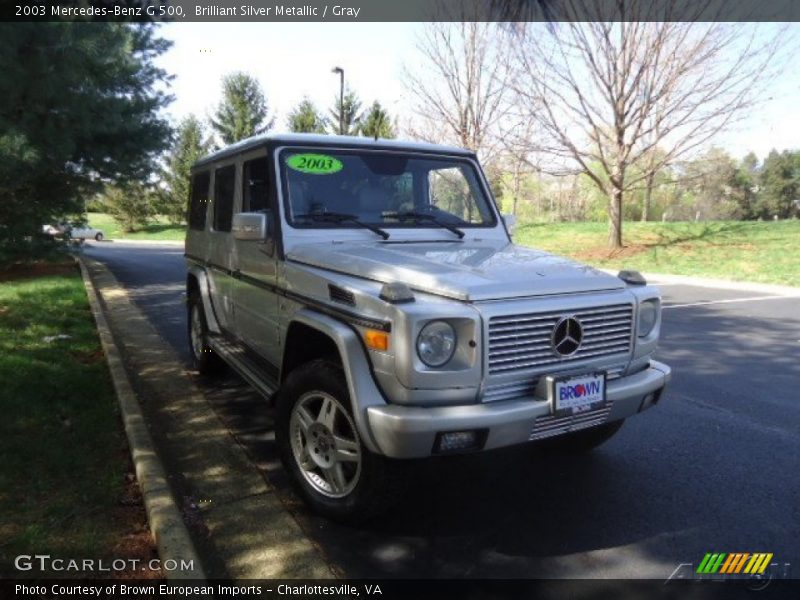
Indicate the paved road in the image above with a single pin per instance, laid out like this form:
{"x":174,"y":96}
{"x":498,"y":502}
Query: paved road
{"x":713,"y":468}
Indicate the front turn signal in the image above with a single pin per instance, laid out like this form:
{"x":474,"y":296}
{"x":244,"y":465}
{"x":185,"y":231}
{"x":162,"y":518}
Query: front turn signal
{"x":376,"y":340}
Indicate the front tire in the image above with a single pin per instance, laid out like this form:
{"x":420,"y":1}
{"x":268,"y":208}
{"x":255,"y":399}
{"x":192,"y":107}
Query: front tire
{"x":323,"y":452}
{"x":204,"y":359}
{"x":581,"y":442}
{"x":98,"y":237}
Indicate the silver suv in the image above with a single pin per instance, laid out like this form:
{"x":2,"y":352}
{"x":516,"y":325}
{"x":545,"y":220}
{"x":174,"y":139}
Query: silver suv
{"x":371,"y":289}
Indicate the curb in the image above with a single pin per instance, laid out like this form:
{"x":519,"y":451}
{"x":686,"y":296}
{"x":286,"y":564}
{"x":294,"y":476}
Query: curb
{"x":720,"y":284}
{"x":166,"y":522}
{"x":244,"y":530}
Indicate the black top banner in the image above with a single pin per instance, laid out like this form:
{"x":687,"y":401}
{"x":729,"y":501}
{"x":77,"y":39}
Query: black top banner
{"x":400,"y":10}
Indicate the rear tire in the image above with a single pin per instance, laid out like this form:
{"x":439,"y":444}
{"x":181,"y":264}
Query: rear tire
{"x":98,"y":237}
{"x":204,"y":359}
{"x":583,"y":441}
{"x":321,"y":448}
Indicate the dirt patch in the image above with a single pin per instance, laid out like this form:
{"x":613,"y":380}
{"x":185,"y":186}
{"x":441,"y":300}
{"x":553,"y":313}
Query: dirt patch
{"x":88,"y":358}
{"x":37,"y":269}
{"x":137,"y":544}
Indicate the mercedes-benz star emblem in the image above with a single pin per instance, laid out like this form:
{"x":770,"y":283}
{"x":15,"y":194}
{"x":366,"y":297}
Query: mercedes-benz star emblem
{"x":567,"y":336}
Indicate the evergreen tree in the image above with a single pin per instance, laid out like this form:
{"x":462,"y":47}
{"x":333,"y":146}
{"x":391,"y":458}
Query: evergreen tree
{"x":779,"y":185}
{"x":243,"y":111}
{"x":189,"y":146}
{"x":351,"y":114}
{"x":305,"y":118}
{"x":377,"y":123}
{"x":80,"y":108}
{"x":131,"y":205}
{"x":745,"y":184}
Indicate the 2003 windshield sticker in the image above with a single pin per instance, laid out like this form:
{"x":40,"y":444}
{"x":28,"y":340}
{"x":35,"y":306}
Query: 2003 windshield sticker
{"x":315,"y":164}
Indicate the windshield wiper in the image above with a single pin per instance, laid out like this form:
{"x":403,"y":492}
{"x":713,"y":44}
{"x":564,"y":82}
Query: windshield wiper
{"x":335,"y":217}
{"x":421,"y":216}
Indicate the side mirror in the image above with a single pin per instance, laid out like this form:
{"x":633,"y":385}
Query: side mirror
{"x":511,"y":223}
{"x":250,"y":226}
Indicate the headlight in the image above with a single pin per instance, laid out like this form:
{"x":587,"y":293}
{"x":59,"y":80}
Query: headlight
{"x":436,"y":343}
{"x":648,"y":315}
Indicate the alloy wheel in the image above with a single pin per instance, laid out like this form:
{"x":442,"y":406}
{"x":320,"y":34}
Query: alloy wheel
{"x":325,"y":444}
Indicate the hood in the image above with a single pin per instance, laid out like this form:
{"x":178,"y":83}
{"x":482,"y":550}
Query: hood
{"x":467,"y":271}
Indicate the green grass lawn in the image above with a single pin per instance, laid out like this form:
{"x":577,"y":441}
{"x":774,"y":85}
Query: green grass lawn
{"x":161,"y":229}
{"x":63,"y":485}
{"x":762,"y":251}
{"x":765,"y":251}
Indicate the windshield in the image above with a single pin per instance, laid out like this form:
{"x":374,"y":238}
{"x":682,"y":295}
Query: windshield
{"x":325,"y":189}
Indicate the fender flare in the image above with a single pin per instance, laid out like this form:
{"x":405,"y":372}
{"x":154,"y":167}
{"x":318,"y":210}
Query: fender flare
{"x":199,"y":273}
{"x":364,"y":392}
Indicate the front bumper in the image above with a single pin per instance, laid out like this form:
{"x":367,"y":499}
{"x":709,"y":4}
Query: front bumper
{"x":410,"y":432}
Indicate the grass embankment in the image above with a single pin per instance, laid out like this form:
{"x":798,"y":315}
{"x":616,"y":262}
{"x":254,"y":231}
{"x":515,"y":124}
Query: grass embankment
{"x":746,"y":251}
{"x":767,"y":252}
{"x":161,"y":229}
{"x":66,"y":487}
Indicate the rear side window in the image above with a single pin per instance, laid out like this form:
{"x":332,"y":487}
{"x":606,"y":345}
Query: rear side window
{"x":224,"y":185}
{"x":199,"y":200}
{"x":254,"y":181}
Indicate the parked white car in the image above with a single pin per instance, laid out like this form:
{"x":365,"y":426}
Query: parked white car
{"x":54,"y":230}
{"x":74,"y":231}
{"x":84,"y":233}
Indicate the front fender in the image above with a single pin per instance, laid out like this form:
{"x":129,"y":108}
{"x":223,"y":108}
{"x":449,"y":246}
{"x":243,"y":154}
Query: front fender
{"x":364,"y":392}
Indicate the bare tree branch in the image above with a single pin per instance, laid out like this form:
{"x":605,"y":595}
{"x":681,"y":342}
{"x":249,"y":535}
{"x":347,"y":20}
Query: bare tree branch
{"x":461,"y":90}
{"x":620,"y":101}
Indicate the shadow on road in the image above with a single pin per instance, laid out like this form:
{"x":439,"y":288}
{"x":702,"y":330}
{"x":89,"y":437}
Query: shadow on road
{"x":520,"y":512}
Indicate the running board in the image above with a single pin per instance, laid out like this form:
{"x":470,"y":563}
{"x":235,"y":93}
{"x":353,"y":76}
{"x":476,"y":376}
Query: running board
{"x":237,"y":358}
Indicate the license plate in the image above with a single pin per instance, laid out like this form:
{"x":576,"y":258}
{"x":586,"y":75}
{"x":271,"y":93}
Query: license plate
{"x":576,"y":394}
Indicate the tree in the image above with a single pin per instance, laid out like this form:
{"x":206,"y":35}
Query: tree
{"x":518,"y":163}
{"x":188,"y":147}
{"x":377,"y":123}
{"x":611,"y":92}
{"x":460,"y":90}
{"x":350,"y":108}
{"x":745,"y":183}
{"x":779,"y":188}
{"x":80,"y":108}
{"x":305,"y":118}
{"x":708,"y":186}
{"x":131,"y":205}
{"x":243,"y":110}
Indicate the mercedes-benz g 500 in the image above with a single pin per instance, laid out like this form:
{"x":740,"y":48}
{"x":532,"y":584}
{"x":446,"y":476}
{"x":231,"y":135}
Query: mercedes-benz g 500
{"x":371,"y":288}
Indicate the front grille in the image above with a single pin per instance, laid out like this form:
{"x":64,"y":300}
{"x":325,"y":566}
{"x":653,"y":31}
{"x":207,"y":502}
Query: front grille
{"x":509,"y":391}
{"x":523,"y":341}
{"x":545,"y":427}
